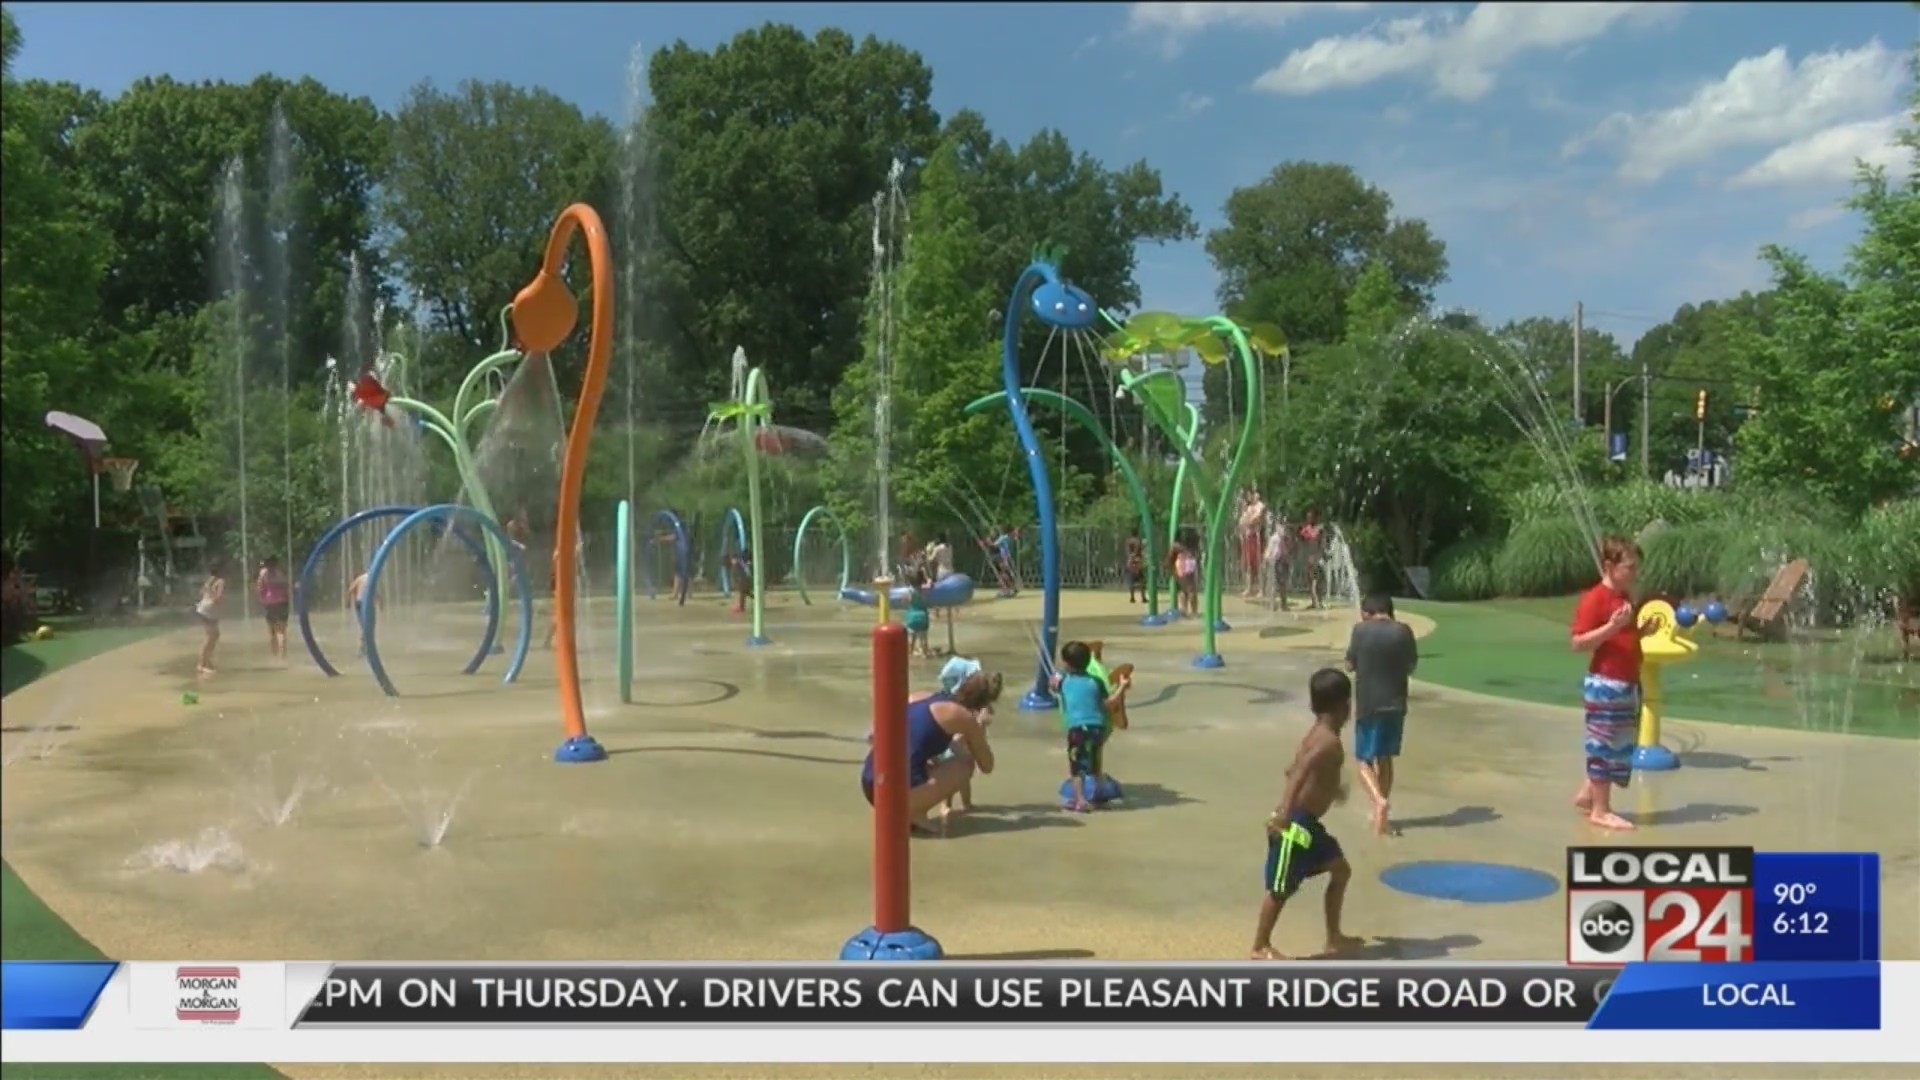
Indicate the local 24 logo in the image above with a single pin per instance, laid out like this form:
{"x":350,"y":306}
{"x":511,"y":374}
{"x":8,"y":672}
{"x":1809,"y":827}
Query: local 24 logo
{"x":1685,"y":905}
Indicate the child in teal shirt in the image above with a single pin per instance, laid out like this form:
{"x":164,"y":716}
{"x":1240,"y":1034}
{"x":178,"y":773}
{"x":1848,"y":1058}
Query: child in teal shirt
{"x":1085,"y":706}
{"x":918,"y":617}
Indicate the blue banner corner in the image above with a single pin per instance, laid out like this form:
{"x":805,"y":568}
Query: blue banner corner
{"x":51,"y":996}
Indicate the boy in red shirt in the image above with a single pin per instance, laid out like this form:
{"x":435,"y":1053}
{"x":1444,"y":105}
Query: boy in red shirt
{"x":1604,"y":626}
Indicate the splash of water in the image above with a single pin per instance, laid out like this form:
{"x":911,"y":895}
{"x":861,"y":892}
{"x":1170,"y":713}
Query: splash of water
{"x":213,"y":849}
{"x":890,"y":222}
{"x":261,"y":792}
{"x":638,"y":223}
{"x":1343,"y":579}
{"x":232,"y":270}
{"x":280,"y":273}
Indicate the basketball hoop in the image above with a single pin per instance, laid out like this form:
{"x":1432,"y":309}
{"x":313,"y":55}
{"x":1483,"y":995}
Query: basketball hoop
{"x":121,"y":470}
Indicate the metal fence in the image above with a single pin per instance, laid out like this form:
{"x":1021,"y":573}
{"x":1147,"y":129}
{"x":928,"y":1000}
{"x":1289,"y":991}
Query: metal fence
{"x":1090,"y":558}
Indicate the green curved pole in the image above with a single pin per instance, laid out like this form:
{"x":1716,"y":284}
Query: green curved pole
{"x":759,"y":407}
{"x":480,"y":371}
{"x":1083,"y":416}
{"x":623,"y":587}
{"x":480,"y":409}
{"x":436,"y":421}
{"x":846,"y":552}
{"x":1185,"y":438}
{"x":1217,"y":520}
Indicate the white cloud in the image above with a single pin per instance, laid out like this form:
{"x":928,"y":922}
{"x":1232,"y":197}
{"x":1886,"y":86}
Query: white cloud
{"x":1192,"y":104}
{"x":1187,"y":18}
{"x":1814,"y":217}
{"x":1762,"y":100}
{"x":1830,"y":156}
{"x":1461,"y":56}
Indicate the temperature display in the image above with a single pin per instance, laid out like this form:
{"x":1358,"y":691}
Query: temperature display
{"x":1816,"y":907}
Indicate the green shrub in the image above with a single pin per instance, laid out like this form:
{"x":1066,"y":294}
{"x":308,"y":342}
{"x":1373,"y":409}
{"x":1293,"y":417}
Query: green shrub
{"x":1887,"y":548}
{"x":1544,"y":557}
{"x":1464,"y":570}
{"x":1683,"y":561}
{"x":1628,"y":508}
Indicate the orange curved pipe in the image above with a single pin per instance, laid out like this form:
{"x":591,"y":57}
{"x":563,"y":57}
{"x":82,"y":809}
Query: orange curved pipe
{"x":544,"y":314}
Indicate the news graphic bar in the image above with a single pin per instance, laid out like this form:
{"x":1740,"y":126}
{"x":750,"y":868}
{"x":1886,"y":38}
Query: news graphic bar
{"x":948,"y":994}
{"x":1816,"y":907}
{"x":51,"y":997}
{"x":1742,"y":997}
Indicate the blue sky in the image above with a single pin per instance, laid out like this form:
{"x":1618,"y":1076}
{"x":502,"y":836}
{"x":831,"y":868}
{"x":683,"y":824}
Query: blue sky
{"x":1631,"y":156}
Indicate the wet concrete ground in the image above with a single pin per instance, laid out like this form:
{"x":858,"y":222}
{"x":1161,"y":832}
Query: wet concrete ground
{"x":728,"y":823}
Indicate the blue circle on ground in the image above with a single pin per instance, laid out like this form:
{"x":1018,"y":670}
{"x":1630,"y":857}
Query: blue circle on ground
{"x":1470,"y":882}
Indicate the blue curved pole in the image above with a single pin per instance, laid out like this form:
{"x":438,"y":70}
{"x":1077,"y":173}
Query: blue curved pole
{"x":740,"y":545}
{"x":1040,"y":698}
{"x":682,"y":557}
{"x":369,"y":610}
{"x":303,"y":585}
{"x":846,"y":552}
{"x":623,"y":589}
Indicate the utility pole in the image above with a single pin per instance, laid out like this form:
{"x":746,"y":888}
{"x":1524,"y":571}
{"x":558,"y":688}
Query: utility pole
{"x":1646,"y":411}
{"x":1579,"y":318}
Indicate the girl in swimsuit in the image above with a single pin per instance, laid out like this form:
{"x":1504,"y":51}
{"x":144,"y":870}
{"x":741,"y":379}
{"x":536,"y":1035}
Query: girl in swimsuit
{"x":213,"y":594}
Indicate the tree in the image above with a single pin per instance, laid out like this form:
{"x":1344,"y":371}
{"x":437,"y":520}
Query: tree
{"x":1295,"y":244}
{"x":1540,"y":350}
{"x":1046,"y":192}
{"x":768,"y":151}
{"x":150,"y":165}
{"x":1842,"y":357}
{"x":51,"y":262}
{"x":474,"y":182}
{"x":943,"y":361}
{"x":1695,"y":351}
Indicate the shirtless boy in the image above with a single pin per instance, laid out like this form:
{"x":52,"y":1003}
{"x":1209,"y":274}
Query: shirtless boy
{"x":1298,"y":845}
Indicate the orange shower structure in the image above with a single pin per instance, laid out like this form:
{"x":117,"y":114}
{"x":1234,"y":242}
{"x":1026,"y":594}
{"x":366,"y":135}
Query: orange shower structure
{"x":544,"y":315}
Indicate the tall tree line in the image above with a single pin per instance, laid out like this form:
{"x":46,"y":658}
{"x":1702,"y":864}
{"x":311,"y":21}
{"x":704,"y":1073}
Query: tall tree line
{"x":741,"y":204}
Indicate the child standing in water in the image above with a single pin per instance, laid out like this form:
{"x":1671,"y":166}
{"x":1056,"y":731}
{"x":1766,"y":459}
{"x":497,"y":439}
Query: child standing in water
{"x":276,"y":597}
{"x":1136,"y":567}
{"x":919,"y":619}
{"x":1298,"y":845}
{"x":213,"y":594}
{"x":1085,"y":703}
{"x":1186,"y":579}
{"x":356,"y":606}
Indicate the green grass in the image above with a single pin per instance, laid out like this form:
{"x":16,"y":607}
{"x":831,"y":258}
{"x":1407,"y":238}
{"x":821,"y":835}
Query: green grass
{"x":29,"y":930}
{"x":1827,"y":682}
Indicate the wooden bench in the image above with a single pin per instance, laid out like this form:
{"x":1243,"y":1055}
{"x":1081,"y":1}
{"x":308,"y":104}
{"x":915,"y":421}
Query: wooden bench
{"x":1766,"y":616}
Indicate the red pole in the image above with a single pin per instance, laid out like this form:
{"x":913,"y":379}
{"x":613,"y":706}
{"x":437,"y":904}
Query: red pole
{"x":891,"y":876}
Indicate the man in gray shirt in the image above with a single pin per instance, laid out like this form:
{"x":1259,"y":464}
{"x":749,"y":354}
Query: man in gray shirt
{"x":1382,"y":655}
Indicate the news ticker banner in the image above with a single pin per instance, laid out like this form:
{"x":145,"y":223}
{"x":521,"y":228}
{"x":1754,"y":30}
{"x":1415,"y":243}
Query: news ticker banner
{"x":314,"y":1012}
{"x":1761,"y":996}
{"x":1721,"y":905}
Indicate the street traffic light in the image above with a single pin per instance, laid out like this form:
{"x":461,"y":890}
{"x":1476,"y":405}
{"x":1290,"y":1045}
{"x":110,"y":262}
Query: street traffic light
{"x":1700,"y":406}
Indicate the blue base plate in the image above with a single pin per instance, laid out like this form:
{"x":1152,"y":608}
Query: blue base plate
{"x":909,"y":944}
{"x":1654,"y":759}
{"x":581,"y":751}
{"x":1109,"y":791}
{"x":1210,"y":662}
{"x":1036,"y":701}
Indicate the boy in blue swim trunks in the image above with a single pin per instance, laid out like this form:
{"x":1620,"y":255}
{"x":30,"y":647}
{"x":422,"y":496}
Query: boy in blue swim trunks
{"x":1298,"y":844}
{"x":1085,"y":707}
{"x":1382,"y":655}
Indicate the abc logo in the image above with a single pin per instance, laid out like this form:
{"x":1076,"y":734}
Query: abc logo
{"x":1606,"y":927}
